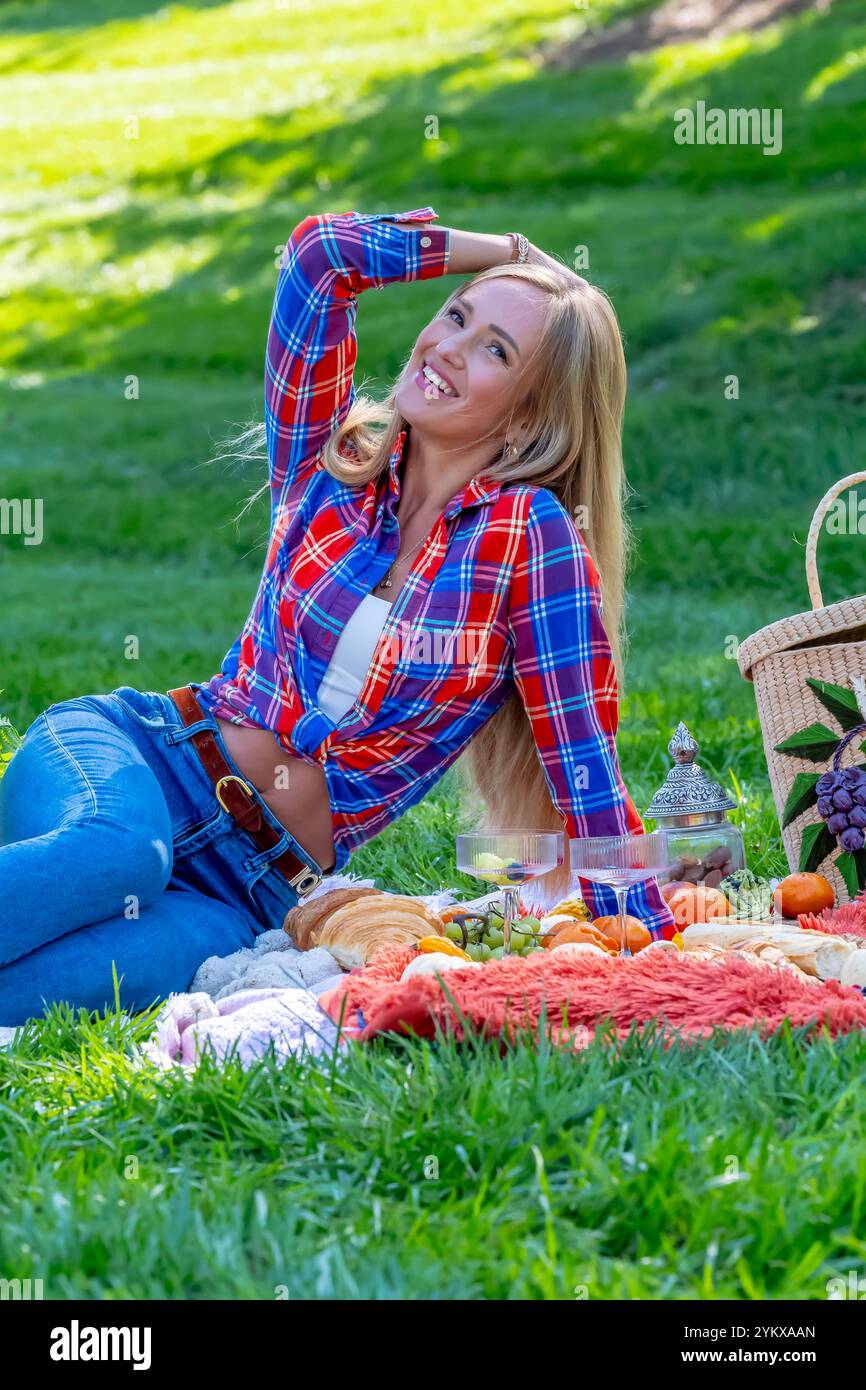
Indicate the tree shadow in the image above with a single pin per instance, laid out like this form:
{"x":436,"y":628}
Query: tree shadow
{"x":376,"y":158}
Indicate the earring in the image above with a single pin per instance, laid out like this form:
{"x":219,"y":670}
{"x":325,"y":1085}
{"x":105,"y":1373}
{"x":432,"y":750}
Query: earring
{"x":512,"y":450}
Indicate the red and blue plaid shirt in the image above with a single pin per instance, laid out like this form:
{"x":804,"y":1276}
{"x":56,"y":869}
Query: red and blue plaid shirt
{"x":504,"y":591}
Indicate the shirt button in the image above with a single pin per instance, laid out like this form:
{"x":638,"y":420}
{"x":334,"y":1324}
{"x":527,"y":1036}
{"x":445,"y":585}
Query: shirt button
{"x":426,"y":241}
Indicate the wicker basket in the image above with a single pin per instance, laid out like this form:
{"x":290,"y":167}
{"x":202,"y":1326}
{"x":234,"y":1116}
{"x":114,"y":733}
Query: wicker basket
{"x":827,"y":643}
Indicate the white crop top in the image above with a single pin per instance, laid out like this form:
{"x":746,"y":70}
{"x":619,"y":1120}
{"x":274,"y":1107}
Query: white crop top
{"x":348,"y":667}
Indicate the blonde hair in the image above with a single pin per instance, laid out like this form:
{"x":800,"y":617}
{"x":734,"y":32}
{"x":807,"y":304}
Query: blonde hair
{"x":573,"y":408}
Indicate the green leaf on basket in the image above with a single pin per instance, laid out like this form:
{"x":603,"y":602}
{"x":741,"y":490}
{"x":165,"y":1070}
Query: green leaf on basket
{"x":848,"y":868}
{"x":800,"y":797}
{"x":841,"y":702}
{"x":816,"y":844}
{"x":817,"y":743}
{"x":860,"y":857}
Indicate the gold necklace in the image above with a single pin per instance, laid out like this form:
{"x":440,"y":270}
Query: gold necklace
{"x":386,"y":583}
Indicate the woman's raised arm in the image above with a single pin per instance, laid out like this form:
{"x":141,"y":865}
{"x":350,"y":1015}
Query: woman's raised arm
{"x":328,"y":261}
{"x":474,"y":251}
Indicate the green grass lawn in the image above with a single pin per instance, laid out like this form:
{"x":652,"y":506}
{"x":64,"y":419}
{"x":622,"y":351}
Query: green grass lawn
{"x":155,"y":159}
{"x":735,"y":1170}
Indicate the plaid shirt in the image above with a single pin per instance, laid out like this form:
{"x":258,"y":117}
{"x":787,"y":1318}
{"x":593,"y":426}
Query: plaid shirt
{"x":504,"y":591}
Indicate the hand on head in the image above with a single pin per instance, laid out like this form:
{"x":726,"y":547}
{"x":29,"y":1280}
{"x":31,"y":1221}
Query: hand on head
{"x":538,"y":257}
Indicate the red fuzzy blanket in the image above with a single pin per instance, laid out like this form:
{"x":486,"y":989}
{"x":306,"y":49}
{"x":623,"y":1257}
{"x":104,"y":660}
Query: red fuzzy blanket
{"x":508,"y":996}
{"x":849,"y":919}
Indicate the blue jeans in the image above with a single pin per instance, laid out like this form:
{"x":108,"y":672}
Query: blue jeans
{"x":115,"y":850}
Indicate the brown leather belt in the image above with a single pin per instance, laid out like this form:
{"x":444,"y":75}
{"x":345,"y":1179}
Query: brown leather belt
{"x":238,"y":798}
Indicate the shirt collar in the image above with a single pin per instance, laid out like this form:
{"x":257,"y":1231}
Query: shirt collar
{"x":477,"y":492}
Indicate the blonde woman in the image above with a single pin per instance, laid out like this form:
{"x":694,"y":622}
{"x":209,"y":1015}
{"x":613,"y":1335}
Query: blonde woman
{"x":436,"y":577}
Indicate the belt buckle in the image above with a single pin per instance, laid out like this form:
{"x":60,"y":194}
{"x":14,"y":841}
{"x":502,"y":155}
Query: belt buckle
{"x":300,"y":884}
{"x":231,"y":777}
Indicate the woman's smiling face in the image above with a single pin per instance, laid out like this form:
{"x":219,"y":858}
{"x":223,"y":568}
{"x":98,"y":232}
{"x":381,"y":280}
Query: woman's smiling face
{"x":479,"y":346}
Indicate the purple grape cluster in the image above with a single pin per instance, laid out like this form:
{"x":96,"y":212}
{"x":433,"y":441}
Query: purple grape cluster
{"x":842,"y":804}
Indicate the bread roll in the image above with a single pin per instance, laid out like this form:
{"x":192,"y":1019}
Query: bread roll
{"x":303,"y":922}
{"x":854,"y":969}
{"x":354,"y":933}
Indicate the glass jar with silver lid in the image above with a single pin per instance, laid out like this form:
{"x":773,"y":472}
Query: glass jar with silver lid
{"x":692,"y":811}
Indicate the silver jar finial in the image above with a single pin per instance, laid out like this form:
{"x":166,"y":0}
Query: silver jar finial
{"x":682,"y":747}
{"x":687,"y":796}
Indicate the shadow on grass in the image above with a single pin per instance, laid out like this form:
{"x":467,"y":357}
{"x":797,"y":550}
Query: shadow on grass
{"x":611,"y":137}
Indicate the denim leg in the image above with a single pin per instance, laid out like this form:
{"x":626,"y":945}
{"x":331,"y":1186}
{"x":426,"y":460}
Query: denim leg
{"x":85,"y":832}
{"x":155,"y":955}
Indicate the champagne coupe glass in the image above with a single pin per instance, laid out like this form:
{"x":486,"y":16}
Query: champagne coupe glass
{"x":510,"y":858}
{"x":619,"y":861}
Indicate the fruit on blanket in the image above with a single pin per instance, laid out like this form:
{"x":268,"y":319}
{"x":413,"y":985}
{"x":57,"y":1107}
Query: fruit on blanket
{"x":465,"y":927}
{"x":580,"y":931}
{"x":661,"y":945}
{"x":441,"y":944}
{"x":581,"y":948}
{"x":803,"y":893}
{"x":552,"y":921}
{"x":435,"y":964}
{"x":696,"y":903}
{"x":668,"y":889}
{"x":573,"y":907}
{"x":637,"y":934}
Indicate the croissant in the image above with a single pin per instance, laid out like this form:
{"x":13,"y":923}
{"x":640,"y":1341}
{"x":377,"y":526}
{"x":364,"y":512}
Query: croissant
{"x":304,"y":921}
{"x":354,"y":933}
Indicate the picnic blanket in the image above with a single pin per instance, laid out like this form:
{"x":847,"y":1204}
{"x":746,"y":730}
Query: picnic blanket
{"x":260,"y":998}
{"x":510,"y":996}
{"x":273,"y":996}
{"x":244,"y":1025}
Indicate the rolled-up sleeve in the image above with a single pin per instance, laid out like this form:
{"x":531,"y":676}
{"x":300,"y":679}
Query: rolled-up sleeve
{"x":565,"y":673}
{"x":329,"y":260}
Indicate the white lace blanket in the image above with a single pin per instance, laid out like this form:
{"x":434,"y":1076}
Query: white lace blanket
{"x":265,"y":996}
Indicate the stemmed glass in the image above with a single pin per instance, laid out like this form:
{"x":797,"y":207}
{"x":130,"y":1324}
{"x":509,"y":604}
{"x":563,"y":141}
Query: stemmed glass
{"x":620,"y":861}
{"x":510,"y":858}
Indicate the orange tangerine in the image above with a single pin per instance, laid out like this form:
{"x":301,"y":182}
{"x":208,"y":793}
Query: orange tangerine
{"x":694,"y":902}
{"x":637,"y":935}
{"x":803,"y":893}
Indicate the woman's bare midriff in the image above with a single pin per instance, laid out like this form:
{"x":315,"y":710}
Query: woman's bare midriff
{"x":294,"y":789}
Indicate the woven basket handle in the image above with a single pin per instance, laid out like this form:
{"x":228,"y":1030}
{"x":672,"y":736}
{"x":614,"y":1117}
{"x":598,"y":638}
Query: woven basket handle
{"x":814,"y":531}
